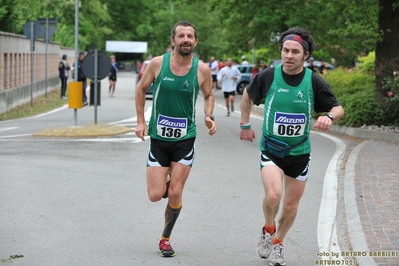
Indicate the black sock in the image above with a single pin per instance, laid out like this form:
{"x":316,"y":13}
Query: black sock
{"x":171,"y":216}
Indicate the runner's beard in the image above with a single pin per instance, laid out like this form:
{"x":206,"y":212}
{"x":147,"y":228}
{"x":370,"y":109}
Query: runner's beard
{"x":184,"y":52}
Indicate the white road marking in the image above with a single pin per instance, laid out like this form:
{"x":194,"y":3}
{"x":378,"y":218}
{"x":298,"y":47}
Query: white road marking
{"x":7,"y":128}
{"x":326,"y":225}
{"x":14,"y":136}
{"x":50,"y":112}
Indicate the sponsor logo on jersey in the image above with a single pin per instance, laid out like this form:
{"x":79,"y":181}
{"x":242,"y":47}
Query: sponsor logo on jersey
{"x":168,"y":79}
{"x":172,"y":121}
{"x":283,"y":90}
{"x":290,"y":119}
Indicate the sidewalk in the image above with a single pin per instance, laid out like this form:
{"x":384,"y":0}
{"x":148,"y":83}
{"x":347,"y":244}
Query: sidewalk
{"x":371,"y":195}
{"x":377,"y":197}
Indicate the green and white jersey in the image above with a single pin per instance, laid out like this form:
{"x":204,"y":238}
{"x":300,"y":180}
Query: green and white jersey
{"x":173,"y":105}
{"x":288,"y":111}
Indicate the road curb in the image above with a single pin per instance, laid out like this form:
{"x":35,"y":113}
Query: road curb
{"x":86,"y":131}
{"x":356,"y":233}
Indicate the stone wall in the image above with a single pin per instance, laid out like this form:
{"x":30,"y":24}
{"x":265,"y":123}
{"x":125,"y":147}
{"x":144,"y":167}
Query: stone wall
{"x":15,"y":69}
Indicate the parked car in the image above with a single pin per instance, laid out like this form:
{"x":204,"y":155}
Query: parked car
{"x":246,"y":77}
{"x":318,"y":64}
{"x":275,"y":62}
{"x":140,"y":75}
{"x":121,"y":65}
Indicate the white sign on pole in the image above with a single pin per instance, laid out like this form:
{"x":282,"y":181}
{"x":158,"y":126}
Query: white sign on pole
{"x":126,"y":47}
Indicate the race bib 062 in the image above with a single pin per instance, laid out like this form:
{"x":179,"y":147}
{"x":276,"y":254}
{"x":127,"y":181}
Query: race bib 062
{"x":171,"y":127}
{"x":289,"y":125}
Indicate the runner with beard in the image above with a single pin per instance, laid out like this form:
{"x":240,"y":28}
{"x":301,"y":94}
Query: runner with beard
{"x":177,"y":76}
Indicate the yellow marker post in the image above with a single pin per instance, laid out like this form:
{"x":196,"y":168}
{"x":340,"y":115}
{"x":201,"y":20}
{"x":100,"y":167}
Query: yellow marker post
{"x":75,"y":94}
{"x":75,"y":97}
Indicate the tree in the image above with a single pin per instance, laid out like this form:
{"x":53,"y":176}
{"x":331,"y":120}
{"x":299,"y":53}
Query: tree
{"x":387,"y":59}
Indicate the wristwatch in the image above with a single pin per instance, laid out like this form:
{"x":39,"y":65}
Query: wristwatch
{"x":212,"y":117}
{"x":330,"y":116}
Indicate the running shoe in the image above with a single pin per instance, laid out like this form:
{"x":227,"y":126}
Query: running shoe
{"x":277,"y":256}
{"x":228,"y":113}
{"x":265,"y":245}
{"x":167,"y":186}
{"x":165,"y":249}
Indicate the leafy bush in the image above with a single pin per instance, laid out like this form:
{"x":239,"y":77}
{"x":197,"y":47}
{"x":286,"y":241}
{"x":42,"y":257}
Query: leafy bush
{"x":355,"y":91}
{"x":361,"y":108}
{"x":344,"y":82}
{"x":367,"y":63}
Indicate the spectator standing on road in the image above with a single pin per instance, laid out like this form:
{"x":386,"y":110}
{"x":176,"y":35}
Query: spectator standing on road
{"x":262,"y":65}
{"x":228,"y":77}
{"x":290,"y":92}
{"x":214,"y":66}
{"x":178,"y":76}
{"x":221,"y":64}
{"x":258,"y":68}
{"x":323,"y":68}
{"x":81,"y":76}
{"x":244,"y":60}
{"x":138,"y":66}
{"x":63,"y":68}
{"x":311,"y":65}
{"x":112,"y":75}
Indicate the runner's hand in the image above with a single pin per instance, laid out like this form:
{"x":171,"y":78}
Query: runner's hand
{"x":247,"y":134}
{"x":323,"y":123}
{"x":141,"y":131}
{"x":211,"y":125}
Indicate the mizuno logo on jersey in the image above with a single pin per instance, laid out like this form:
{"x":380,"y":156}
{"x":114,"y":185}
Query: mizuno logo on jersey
{"x":169,"y":123}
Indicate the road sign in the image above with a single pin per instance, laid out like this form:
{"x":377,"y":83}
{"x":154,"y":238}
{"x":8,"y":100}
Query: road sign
{"x":104,"y":65}
{"x":49,"y":24}
{"x":49,"y":20}
{"x":51,"y":31}
{"x":36,"y":29}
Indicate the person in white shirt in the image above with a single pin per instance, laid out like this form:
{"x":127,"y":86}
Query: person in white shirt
{"x":214,"y":69}
{"x":244,"y":60}
{"x":228,"y":77}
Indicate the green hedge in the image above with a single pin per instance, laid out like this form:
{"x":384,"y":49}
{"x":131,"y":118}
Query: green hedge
{"x":355,"y":91}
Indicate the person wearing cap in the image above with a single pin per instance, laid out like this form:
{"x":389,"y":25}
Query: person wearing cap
{"x":63,"y":69}
{"x":112,"y":75}
{"x":290,"y":93}
{"x":244,"y":60}
{"x":311,"y":65}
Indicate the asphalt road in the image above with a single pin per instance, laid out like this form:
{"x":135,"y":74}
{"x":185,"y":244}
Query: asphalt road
{"x":70,"y":201}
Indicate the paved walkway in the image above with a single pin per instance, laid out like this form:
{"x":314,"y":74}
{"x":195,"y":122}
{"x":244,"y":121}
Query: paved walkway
{"x":377,"y":198}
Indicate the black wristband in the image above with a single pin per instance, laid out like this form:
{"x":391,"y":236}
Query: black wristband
{"x":212,"y":117}
{"x":330,"y":116}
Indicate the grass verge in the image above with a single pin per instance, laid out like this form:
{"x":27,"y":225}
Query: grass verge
{"x":41,"y":104}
